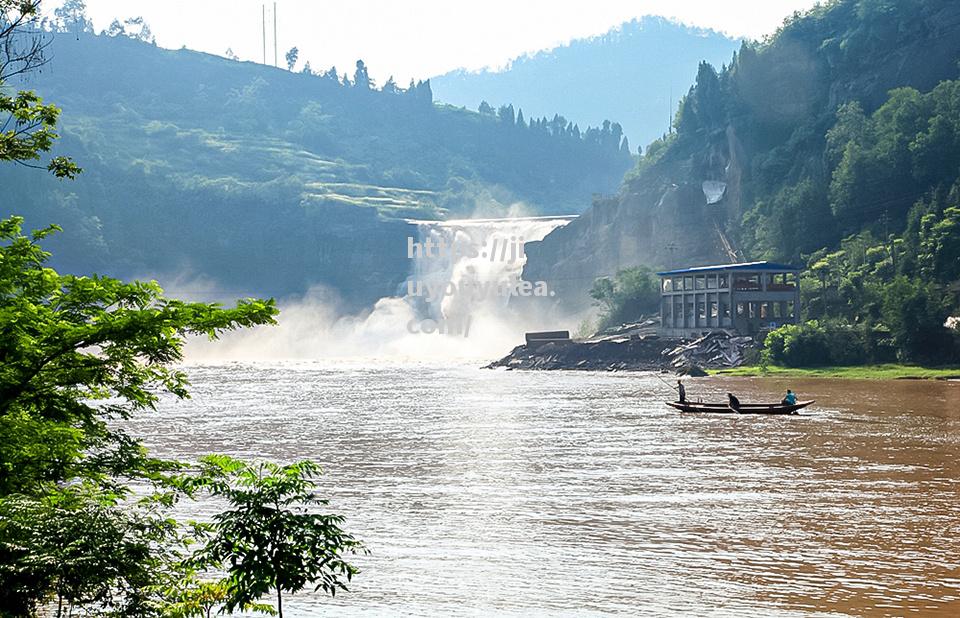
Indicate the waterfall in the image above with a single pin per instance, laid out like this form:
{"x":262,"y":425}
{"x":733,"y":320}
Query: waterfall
{"x":475,"y":266}
{"x":456,"y":304}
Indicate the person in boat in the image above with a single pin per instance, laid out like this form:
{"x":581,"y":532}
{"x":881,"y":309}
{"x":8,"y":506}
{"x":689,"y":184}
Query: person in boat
{"x":790,"y":399}
{"x":733,"y":402}
{"x":682,"y":391}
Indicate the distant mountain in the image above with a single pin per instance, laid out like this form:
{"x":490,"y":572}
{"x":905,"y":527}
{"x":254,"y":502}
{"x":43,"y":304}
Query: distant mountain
{"x":835,"y":139}
{"x":626,"y":74}
{"x":268,"y":181}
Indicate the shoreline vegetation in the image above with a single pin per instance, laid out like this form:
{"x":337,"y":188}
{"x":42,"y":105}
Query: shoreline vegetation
{"x":886,"y":371}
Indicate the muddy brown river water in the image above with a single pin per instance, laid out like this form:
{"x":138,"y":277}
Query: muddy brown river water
{"x":573,"y":493}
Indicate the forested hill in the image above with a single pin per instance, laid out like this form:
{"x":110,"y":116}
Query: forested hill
{"x":835,"y":144}
{"x":270,"y":181}
{"x":628,"y":74}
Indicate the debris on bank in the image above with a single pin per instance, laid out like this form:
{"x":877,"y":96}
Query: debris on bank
{"x":630,"y":347}
{"x":717,"y":350}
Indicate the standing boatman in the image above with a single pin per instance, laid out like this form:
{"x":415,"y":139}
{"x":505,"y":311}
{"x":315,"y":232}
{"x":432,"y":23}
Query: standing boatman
{"x":682,"y":391}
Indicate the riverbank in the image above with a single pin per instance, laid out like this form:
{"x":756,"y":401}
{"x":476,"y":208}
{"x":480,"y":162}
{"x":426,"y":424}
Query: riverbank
{"x":859,"y":372}
{"x":632,"y":351}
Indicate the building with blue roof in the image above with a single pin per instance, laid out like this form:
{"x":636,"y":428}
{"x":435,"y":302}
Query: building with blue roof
{"x":745,"y":298}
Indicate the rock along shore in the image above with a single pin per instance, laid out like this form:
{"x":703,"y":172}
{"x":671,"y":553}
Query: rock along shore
{"x":631,"y":353}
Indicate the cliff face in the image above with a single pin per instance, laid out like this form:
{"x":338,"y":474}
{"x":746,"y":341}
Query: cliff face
{"x":745,"y":137}
{"x":660,"y":225}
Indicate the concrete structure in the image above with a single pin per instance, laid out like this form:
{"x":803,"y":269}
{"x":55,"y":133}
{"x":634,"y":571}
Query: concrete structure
{"x":741,"y":298}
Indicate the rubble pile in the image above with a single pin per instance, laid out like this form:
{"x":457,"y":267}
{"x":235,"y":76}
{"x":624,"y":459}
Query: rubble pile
{"x":713,"y":351}
{"x":645,"y":326}
{"x":611,"y":353}
{"x":631,"y":347}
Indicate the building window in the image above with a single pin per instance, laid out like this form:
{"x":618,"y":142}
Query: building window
{"x":779,"y":283}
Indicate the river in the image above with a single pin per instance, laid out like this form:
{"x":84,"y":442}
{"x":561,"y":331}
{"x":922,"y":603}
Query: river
{"x":571,"y":493}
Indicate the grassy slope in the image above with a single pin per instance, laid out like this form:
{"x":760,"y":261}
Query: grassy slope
{"x":864,"y":372}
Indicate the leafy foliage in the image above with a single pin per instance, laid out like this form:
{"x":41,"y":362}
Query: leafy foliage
{"x":83,"y":548}
{"x":826,"y":343}
{"x":69,"y":342}
{"x":28,"y":126}
{"x":77,"y":352}
{"x":623,"y":299}
{"x":267,"y":537}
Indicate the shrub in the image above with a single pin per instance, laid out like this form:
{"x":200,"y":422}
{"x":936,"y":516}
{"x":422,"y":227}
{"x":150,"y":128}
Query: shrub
{"x":817,"y":344}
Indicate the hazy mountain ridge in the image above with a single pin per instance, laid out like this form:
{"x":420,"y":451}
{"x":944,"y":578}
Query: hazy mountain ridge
{"x":625,"y":74}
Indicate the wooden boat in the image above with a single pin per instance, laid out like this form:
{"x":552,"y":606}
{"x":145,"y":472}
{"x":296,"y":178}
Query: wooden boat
{"x":745,"y":408}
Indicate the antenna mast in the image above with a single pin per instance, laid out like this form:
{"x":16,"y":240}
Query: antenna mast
{"x":275,"y":63}
{"x":670,"y":113}
{"x":263,"y":8}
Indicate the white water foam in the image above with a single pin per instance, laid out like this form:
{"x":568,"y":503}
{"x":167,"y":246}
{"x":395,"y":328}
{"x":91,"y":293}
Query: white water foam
{"x":313,"y":328}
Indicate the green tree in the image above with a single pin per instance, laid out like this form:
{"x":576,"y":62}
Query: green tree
{"x":506,"y":115}
{"x":79,"y":546}
{"x":361,"y":78}
{"x":268,"y":538}
{"x":27,"y":125}
{"x":623,"y":299}
{"x":940,"y":245}
{"x":197,"y":598}
{"x":71,"y":16}
{"x":915,"y":313}
{"x":137,"y":29}
{"x":390,"y":86}
{"x":292,"y":54}
{"x":78,"y":353}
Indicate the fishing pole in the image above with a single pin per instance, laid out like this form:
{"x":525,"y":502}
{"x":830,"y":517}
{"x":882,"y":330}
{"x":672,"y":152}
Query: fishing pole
{"x":672,"y":387}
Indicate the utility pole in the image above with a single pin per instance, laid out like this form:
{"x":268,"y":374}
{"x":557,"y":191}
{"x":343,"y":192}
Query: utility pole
{"x":263,"y":8}
{"x":670,"y":113}
{"x":275,"y":35}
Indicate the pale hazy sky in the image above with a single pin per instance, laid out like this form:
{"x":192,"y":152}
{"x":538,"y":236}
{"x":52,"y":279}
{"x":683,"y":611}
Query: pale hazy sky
{"x":418,"y":38}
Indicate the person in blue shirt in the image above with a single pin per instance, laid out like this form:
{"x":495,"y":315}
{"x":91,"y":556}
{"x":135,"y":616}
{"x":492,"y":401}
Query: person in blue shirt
{"x":790,"y":399}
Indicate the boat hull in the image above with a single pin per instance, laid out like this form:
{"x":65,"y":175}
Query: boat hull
{"x":745,"y":408}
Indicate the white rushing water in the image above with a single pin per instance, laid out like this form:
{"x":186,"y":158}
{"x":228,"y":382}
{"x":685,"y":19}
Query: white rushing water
{"x":456,"y":303}
{"x":476,"y":264}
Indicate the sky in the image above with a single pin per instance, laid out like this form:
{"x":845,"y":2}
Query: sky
{"x":418,"y":38}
